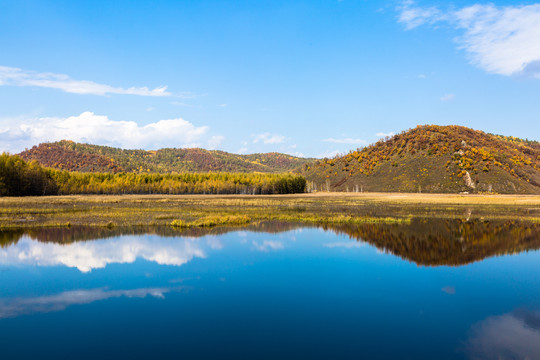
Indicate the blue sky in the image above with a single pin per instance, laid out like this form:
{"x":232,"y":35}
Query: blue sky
{"x":311,"y":78}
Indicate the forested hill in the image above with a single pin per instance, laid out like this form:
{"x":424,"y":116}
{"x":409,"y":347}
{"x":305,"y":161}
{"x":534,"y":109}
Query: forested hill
{"x":429,"y":158}
{"x":72,"y":156}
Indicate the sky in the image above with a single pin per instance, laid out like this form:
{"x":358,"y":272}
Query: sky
{"x":310,"y":78}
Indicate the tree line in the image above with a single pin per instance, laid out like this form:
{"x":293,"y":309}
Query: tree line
{"x":19,"y":178}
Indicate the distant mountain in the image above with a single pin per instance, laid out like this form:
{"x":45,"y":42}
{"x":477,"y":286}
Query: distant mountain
{"x":72,"y":156}
{"x":429,"y":158}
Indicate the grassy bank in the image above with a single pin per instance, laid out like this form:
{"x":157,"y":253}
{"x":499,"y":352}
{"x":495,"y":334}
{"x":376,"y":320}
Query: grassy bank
{"x":214,"y":210}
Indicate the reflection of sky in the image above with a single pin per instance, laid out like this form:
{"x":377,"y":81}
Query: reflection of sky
{"x":13,"y":307}
{"x":267,"y":245}
{"x":510,"y":336}
{"x":315,"y":293}
{"x":96,"y":254}
{"x":89,"y":255}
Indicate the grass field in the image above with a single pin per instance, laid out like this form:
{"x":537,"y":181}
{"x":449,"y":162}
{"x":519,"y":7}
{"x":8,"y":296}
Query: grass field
{"x":214,"y":210}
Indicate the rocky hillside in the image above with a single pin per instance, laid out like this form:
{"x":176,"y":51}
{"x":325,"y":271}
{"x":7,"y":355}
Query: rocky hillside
{"x":429,"y":158}
{"x":68,"y":155}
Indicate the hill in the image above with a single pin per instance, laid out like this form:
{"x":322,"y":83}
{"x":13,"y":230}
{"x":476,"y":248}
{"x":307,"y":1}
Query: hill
{"x":430,"y":158}
{"x":72,"y":156}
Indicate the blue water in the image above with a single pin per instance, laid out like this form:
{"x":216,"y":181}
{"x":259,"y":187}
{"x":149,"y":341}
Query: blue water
{"x":303,"y":293}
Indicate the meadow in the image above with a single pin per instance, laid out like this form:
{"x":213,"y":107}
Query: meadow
{"x":185,"y":211}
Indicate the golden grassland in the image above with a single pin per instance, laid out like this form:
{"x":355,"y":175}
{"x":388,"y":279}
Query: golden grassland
{"x":214,"y":210}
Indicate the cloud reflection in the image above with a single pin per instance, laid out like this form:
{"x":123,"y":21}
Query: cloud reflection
{"x":89,"y":255}
{"x":13,"y":307}
{"x":510,"y":336}
{"x":268,"y":245}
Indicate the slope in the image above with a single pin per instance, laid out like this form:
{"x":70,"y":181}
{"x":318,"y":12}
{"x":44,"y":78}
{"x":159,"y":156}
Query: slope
{"x":69,"y":155}
{"x":430,"y":158}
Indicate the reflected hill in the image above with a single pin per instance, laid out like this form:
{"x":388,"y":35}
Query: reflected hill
{"x":67,"y":235}
{"x":426,"y":242}
{"x":435,"y":242}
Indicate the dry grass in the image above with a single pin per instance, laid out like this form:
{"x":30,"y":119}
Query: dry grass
{"x":215,"y":210}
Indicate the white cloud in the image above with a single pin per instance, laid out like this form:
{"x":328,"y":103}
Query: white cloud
{"x":89,"y":255}
{"x":214,"y":242}
{"x":222,"y":105}
{"x":345,"y":141}
{"x":509,"y":336}
{"x":19,"y":77}
{"x":413,"y":16}
{"x":268,"y":245}
{"x":329,"y":154}
{"x":13,"y":307}
{"x":215,"y":141}
{"x":99,"y":129}
{"x":242,"y":150}
{"x":447,"y":97}
{"x":383,"y":134}
{"x":268,"y":138}
{"x":498,"y":39}
{"x":180,"y":103}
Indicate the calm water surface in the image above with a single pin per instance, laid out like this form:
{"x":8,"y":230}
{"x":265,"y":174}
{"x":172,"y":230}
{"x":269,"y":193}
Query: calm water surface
{"x":429,"y":290}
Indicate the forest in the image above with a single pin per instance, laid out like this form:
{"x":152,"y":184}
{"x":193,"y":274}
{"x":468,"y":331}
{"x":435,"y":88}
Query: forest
{"x":432,"y":158}
{"x":21,"y":178}
{"x":72,"y":156}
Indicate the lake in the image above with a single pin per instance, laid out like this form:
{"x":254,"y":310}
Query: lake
{"x":431,"y":289}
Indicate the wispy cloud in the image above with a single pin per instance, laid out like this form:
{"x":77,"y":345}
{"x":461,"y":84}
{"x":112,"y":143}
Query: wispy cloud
{"x":268,"y":245}
{"x":498,"y":39}
{"x":513,"y":335}
{"x":413,"y":16}
{"x":10,"y":76}
{"x":99,"y":129}
{"x":329,"y":154}
{"x":383,"y":134}
{"x":215,"y":141}
{"x":267,"y":138}
{"x":13,"y":307}
{"x":345,"y":141}
{"x":447,"y":97}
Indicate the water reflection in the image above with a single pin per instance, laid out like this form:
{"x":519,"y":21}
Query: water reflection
{"x":510,"y":336}
{"x":88,"y":255}
{"x":267,"y":245}
{"x":13,"y":307}
{"x":447,"y":242}
{"x":304,"y":293}
{"x":430,"y":242}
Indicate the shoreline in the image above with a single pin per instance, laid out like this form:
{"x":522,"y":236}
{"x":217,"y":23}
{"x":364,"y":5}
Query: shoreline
{"x":217,"y":210}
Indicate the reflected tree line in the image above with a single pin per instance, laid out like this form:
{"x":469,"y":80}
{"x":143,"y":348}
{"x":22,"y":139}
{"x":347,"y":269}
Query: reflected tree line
{"x":435,"y":242}
{"x":428,"y":242}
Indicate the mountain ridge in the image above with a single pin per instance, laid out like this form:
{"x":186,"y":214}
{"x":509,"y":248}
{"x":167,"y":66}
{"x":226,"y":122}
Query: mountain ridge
{"x":433,"y":158}
{"x":73,"y":156}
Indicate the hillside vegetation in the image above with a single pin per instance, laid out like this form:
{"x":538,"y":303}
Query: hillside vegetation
{"x":19,"y":178}
{"x":72,"y":156}
{"x":432,"y":158}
